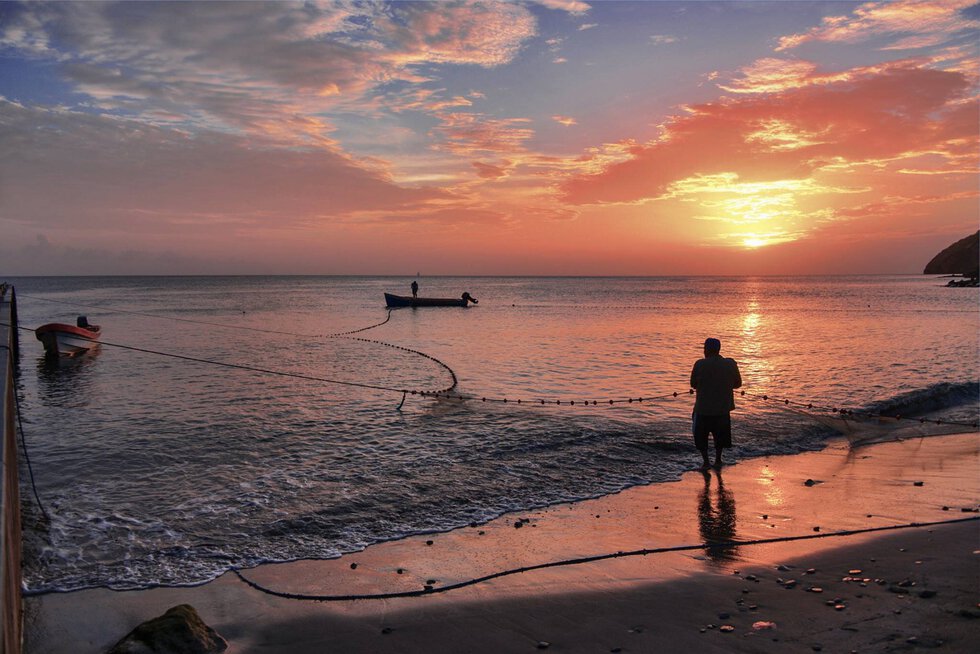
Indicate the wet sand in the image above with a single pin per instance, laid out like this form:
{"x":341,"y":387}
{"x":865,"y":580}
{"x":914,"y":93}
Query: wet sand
{"x":916,"y":587}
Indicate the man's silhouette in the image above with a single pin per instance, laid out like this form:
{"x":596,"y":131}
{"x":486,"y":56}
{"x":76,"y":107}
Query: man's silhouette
{"x":714,"y":378}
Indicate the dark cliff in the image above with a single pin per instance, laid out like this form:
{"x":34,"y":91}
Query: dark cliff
{"x":960,"y":258}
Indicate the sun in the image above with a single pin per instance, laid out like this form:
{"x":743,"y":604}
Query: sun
{"x":754,"y":242}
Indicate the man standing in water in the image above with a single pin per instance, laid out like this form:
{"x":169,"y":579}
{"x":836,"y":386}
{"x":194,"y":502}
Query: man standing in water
{"x":415,"y":288}
{"x":714,"y":378}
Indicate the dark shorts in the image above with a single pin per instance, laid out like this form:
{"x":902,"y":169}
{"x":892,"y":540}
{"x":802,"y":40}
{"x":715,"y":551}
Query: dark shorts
{"x":720,"y":426}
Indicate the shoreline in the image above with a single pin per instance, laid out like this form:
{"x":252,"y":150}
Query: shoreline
{"x":763,"y":498}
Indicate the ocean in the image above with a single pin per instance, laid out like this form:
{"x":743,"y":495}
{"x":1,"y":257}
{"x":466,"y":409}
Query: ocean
{"x":230,"y":421}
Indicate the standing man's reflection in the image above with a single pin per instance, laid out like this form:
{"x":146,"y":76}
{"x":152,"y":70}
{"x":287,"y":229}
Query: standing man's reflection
{"x":716,"y":520}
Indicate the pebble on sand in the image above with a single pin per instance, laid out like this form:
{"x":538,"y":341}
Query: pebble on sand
{"x":543,"y":644}
{"x":727,"y":628}
{"x":353,"y":566}
{"x":763,"y":624}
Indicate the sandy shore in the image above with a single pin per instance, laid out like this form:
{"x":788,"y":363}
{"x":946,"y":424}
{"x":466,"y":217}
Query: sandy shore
{"x":893,"y":590}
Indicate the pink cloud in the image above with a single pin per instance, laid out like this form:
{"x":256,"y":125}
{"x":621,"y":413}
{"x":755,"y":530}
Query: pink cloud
{"x":575,"y":7}
{"x":900,"y":109}
{"x":471,"y":133}
{"x":890,"y":18}
{"x":489,"y":171}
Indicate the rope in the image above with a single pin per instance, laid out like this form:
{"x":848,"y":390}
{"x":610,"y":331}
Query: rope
{"x":446,"y":393}
{"x":212,"y":324}
{"x":805,"y":407}
{"x":408,"y":349}
{"x":27,"y":457}
{"x":430,"y":590}
{"x":239,"y":366}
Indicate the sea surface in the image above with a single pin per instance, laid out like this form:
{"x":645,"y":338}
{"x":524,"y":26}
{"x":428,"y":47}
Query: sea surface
{"x":274,"y":434}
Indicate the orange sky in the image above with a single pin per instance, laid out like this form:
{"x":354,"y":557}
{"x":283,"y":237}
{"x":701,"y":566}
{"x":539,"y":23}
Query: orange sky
{"x":553,"y":137}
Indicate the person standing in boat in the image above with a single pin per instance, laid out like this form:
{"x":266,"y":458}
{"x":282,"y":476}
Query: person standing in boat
{"x":415,"y":288}
{"x":714,"y":379}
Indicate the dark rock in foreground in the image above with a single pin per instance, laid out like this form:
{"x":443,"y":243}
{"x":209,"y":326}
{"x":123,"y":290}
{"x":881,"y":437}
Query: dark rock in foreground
{"x":178,"y":631}
{"x":960,"y":258}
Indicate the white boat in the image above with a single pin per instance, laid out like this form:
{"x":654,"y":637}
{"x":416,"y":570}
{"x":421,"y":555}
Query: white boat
{"x":64,"y":340}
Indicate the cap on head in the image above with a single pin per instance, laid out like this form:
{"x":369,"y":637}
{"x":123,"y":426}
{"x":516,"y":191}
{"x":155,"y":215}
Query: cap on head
{"x":712,"y":345}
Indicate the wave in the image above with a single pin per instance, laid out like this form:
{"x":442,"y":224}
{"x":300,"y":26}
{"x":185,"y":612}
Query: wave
{"x":946,"y":396}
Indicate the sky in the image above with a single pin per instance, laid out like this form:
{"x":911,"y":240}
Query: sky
{"x":553,"y":137}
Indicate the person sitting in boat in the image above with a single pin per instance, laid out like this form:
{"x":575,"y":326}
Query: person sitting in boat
{"x":83,"y":323}
{"x":415,"y":288}
{"x":469,"y":298}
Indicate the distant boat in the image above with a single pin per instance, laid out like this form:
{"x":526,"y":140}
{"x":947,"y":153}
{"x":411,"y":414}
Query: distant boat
{"x":407,"y":301}
{"x":64,"y":340}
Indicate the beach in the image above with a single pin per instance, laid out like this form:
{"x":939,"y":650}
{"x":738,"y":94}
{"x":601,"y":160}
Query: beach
{"x":888,"y":585}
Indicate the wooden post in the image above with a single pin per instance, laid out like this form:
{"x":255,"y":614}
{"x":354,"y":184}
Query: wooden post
{"x":11,"y":608}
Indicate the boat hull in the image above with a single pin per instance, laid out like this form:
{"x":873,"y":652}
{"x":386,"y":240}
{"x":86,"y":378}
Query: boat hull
{"x":66,"y":340}
{"x":404,"y":301}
